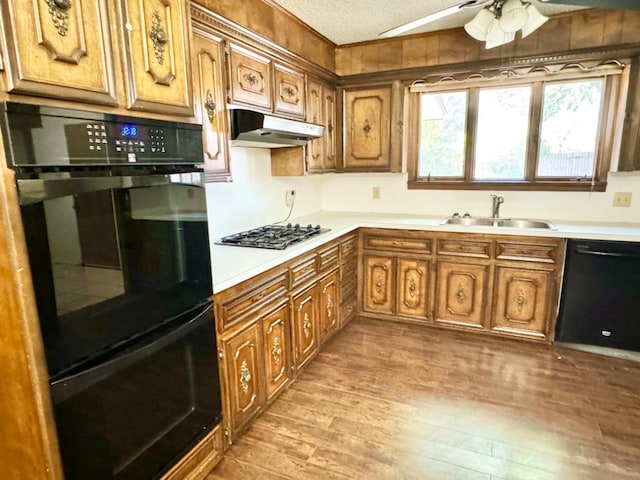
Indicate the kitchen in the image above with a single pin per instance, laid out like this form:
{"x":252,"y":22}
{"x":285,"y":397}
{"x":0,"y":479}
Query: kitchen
{"x":254,"y":197}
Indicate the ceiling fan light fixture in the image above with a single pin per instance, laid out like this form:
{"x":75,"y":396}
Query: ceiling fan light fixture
{"x":496,"y":36}
{"x":534,"y":20}
{"x":513,"y":16}
{"x":479,"y":26}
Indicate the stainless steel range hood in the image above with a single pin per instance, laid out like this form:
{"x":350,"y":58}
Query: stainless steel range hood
{"x":254,"y":129}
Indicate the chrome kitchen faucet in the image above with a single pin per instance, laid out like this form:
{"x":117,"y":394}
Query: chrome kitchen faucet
{"x":497,"y":201}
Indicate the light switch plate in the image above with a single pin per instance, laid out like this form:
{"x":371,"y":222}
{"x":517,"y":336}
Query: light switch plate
{"x":622,"y":199}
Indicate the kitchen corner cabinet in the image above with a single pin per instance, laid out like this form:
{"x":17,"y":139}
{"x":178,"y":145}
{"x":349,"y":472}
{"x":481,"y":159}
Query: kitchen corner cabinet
{"x":370,"y":114}
{"x":60,"y":49}
{"x":210,"y":103}
{"x":321,"y":110}
{"x":348,"y":277}
{"x":156,"y":41}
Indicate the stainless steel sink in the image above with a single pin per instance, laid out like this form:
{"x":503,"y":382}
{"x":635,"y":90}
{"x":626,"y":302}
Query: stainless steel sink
{"x":500,"y":222}
{"x":487,"y":222}
{"x":519,"y":223}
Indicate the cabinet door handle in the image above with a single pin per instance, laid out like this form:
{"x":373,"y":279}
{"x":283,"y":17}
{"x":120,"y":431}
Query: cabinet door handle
{"x":210,"y":105}
{"x":260,"y":296}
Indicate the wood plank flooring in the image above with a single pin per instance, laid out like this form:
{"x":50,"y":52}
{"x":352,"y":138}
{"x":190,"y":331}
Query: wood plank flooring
{"x":402,"y":402}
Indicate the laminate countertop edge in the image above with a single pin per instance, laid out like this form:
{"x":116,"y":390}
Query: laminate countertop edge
{"x":232,"y":265}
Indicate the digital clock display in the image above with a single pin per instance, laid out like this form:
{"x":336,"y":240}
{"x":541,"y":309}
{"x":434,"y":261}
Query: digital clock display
{"x":129,"y":131}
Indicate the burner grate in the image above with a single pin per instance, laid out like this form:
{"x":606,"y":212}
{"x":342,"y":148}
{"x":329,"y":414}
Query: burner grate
{"x":275,"y":237}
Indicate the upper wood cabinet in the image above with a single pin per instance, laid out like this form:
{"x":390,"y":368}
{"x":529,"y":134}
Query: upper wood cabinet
{"x":60,"y":49}
{"x":158,"y":76}
{"x":371,"y":140}
{"x":210,"y":103}
{"x":289,"y":91}
{"x":63,"y":49}
{"x":330,"y":141}
{"x":250,"y":78}
{"x":315,"y":114}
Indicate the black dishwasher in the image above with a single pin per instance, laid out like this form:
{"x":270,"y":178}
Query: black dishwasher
{"x":600,"y":303}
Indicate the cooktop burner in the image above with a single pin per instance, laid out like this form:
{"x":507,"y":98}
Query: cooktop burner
{"x":276,"y":237}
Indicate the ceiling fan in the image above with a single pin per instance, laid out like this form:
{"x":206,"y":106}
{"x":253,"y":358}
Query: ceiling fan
{"x":499,"y":20}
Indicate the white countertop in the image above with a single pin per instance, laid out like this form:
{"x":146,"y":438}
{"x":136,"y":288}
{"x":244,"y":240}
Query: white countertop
{"x":232,"y":265}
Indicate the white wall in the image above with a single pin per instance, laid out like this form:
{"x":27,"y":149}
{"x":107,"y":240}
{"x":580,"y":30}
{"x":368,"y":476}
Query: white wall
{"x":255,"y":198}
{"x":353,"y":192}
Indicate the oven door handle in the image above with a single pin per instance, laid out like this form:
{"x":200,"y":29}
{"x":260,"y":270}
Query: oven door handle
{"x":69,"y":386}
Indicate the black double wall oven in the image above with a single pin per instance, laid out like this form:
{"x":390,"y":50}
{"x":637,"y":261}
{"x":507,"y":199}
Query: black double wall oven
{"x":115,"y":222}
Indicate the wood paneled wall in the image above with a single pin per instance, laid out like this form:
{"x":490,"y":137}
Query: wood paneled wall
{"x":275,"y":24}
{"x":586,"y":29}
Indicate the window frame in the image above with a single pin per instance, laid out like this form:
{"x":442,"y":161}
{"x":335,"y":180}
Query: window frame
{"x":608,"y":136}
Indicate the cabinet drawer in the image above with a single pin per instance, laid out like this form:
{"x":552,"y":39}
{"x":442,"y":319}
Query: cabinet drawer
{"x":347,"y":311}
{"x":348,"y":247}
{"x":328,"y":258}
{"x":464,"y":248}
{"x":406,"y":244}
{"x":532,"y":252}
{"x":253,"y":300}
{"x":303,"y":270}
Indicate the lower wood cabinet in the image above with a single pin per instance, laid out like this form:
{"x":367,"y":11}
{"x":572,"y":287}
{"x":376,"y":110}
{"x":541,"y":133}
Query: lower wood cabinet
{"x":242,"y":354}
{"x":275,"y":335}
{"x":329,"y":305}
{"x":379,"y":279}
{"x":197,"y":464}
{"x":306,"y":324}
{"x":522,"y":301}
{"x":461,"y":297}
{"x":413,"y":287}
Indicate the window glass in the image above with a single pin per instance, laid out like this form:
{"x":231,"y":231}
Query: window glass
{"x":442,"y":134}
{"x":501,"y":142}
{"x":569,"y":128}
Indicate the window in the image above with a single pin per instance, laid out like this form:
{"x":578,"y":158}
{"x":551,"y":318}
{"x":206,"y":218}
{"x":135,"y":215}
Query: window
{"x":538,"y":132}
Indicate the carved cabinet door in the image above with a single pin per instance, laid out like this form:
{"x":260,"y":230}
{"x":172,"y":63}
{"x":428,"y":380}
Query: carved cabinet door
{"x":305,"y":326}
{"x":250,"y":78}
{"x":315,"y":114}
{"x":275,"y":331}
{"x":461,"y":293}
{"x":60,"y":49}
{"x":210,"y":104}
{"x":330,"y":113}
{"x":379,"y":280}
{"x":329,"y":305}
{"x":243,"y":377}
{"x":413,"y":287}
{"x":156,"y":40}
{"x":289,"y":92}
{"x":367,"y":128}
{"x":522,"y":301}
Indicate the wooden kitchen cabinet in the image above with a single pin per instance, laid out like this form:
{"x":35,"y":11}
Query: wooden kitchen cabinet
{"x":250,"y":78}
{"x":60,"y":49}
{"x":275,"y":335}
{"x":379,"y":280}
{"x":306,"y":325}
{"x":210,"y":103}
{"x":330,"y":138}
{"x":329,"y":305}
{"x":348,"y":277}
{"x":156,"y":46}
{"x":413,"y":287}
{"x":243,"y":378}
{"x":321,"y":110}
{"x":461,"y":293}
{"x":64,"y":49}
{"x":371,"y":140}
{"x":289,"y":92}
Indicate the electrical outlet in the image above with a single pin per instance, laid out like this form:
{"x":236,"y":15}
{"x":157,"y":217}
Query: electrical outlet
{"x":622,"y":199}
{"x":289,"y":198}
{"x":376,"y":193}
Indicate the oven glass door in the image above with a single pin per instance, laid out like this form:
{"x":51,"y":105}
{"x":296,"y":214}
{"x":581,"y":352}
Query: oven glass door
{"x":112,"y":257}
{"x":133,"y":416}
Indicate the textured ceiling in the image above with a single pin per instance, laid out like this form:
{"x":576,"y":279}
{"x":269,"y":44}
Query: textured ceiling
{"x":348,"y":21}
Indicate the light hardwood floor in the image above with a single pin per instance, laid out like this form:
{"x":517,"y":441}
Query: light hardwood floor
{"x":394,"y":401}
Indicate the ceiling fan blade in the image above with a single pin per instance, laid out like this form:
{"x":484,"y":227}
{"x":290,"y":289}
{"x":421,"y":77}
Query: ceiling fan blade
{"x":433,"y":17}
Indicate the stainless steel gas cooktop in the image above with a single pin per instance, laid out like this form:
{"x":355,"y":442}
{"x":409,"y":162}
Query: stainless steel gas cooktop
{"x":276,"y":237}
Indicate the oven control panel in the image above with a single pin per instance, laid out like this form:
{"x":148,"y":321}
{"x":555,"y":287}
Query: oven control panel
{"x":49,"y":136}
